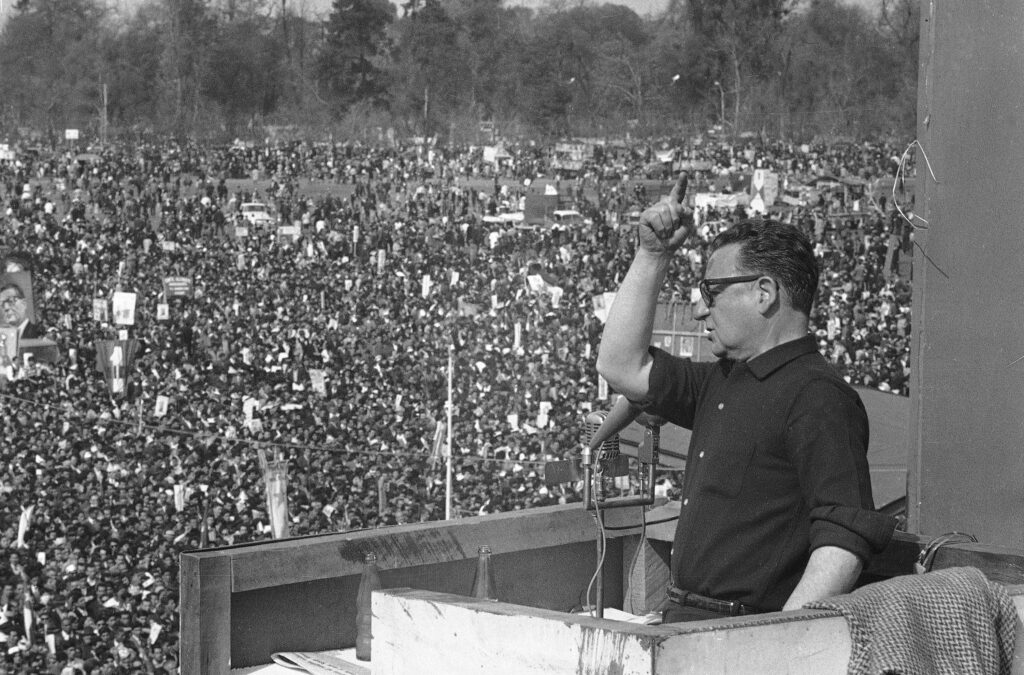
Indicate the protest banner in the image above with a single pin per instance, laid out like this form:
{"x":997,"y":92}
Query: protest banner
{"x":124,"y":308}
{"x":100,"y":310}
{"x":319,"y":380}
{"x":178,"y":287}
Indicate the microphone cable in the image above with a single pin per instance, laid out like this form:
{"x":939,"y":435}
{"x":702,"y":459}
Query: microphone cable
{"x":636,"y":557}
{"x":604,"y":543}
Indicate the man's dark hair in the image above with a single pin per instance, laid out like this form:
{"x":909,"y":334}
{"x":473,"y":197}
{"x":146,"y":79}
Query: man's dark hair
{"x":779,"y":251}
{"x":11,"y":284}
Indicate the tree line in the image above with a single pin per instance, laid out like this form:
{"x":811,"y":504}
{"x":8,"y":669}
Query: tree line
{"x":459,"y":68}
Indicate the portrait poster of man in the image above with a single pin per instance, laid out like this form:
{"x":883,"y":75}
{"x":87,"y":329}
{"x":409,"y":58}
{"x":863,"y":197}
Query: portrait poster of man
{"x":17,"y":305}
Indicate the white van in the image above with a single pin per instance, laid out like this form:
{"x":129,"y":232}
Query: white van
{"x":257,"y":214}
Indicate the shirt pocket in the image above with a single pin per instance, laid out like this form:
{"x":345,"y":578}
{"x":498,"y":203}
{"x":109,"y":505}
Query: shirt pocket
{"x":726,"y":468}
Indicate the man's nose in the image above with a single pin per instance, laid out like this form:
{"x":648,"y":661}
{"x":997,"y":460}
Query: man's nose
{"x":701,"y":310}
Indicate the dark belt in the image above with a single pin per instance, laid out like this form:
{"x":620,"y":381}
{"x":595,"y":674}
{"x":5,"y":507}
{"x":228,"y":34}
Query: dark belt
{"x":726,"y":607}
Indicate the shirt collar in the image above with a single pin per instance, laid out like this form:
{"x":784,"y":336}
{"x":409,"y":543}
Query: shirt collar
{"x":765,"y":364}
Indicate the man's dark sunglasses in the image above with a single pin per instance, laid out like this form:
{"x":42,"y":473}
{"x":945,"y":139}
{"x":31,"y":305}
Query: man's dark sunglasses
{"x":706,"y":284}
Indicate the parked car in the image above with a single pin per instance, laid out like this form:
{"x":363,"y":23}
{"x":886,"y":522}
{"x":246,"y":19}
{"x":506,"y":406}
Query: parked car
{"x":258,"y":214}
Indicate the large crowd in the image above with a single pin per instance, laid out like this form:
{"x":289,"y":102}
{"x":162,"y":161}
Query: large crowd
{"x":394,"y":272}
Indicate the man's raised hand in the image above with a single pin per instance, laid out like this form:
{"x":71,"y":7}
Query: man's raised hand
{"x":664,"y":226}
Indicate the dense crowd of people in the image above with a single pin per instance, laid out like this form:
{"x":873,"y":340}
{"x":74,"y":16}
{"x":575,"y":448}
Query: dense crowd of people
{"x":330,"y":348}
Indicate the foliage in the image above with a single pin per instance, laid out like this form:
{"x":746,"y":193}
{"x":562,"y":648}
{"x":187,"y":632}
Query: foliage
{"x":243,"y":74}
{"x":441,"y":66}
{"x":356,"y":42}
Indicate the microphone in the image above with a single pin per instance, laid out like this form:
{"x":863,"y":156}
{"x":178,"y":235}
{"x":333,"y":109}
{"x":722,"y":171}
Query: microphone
{"x":604,"y":427}
{"x":602,"y":444}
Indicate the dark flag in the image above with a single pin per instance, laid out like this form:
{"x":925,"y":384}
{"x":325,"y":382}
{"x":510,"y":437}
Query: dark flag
{"x":115,"y":358}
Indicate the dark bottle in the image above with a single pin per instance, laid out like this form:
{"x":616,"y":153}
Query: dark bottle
{"x":483,"y":584}
{"x":369,"y":582}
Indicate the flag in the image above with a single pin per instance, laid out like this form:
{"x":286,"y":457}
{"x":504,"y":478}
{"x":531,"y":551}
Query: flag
{"x":24,"y":522}
{"x":438,"y":451}
{"x":154,"y":631}
{"x":114,"y":358}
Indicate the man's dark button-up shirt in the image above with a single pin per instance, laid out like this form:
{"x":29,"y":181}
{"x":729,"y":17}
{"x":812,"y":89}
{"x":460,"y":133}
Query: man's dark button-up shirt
{"x":777,"y":467}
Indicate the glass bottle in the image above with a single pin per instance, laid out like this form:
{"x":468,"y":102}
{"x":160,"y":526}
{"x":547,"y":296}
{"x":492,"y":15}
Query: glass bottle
{"x":483,"y":584}
{"x":369,"y":582}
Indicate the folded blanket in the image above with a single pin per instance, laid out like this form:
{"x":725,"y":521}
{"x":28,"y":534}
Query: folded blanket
{"x":951,"y":621}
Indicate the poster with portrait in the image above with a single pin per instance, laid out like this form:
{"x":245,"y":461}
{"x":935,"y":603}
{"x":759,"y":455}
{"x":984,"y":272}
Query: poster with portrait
{"x":17,"y":304}
{"x":124,"y":308}
{"x":100,"y":310}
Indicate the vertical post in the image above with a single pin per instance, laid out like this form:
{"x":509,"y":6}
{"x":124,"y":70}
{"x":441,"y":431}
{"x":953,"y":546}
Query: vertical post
{"x":448,"y":453}
{"x":105,"y":118}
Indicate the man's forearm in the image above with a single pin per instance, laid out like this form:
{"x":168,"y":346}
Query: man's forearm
{"x":830,"y":571}
{"x":623,"y":359}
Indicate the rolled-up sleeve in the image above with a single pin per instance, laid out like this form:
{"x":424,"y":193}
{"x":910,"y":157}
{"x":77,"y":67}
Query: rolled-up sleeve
{"x":859,"y":531}
{"x":827,"y":438}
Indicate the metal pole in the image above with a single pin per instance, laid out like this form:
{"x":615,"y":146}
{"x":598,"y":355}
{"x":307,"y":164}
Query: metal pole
{"x":105,"y":118}
{"x":448,"y":454}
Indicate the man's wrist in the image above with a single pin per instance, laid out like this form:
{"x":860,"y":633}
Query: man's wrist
{"x":652,"y":258}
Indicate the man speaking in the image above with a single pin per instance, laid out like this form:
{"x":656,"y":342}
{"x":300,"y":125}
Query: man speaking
{"x":776,"y":507}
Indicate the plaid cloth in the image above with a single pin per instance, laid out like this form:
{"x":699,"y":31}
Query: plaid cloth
{"x":951,"y":621}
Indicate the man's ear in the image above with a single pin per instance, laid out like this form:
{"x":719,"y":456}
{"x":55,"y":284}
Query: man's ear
{"x":769,"y":297}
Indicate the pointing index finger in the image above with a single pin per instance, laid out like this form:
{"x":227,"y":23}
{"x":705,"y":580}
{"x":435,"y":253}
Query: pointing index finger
{"x":679,"y":189}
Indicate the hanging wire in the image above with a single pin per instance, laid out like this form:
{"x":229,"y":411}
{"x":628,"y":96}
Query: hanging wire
{"x":901,"y":177}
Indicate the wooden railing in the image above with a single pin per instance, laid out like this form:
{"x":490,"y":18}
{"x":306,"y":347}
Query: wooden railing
{"x":240,"y":604}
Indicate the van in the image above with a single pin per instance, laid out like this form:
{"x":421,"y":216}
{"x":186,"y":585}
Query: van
{"x":566,"y":218}
{"x":257,"y":214}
